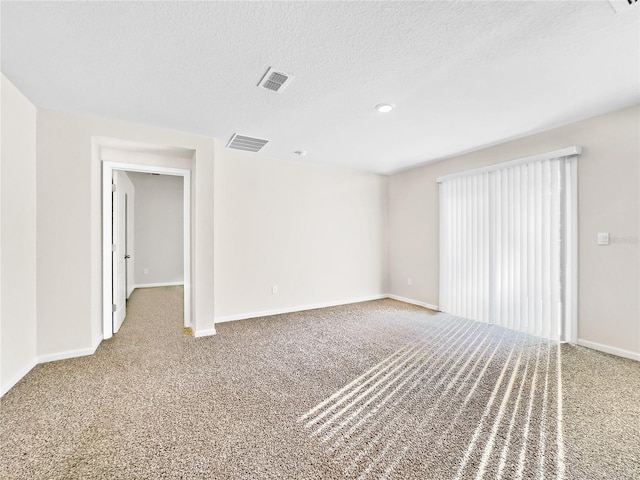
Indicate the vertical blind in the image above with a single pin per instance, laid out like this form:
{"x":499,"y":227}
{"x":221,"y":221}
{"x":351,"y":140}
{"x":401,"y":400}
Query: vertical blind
{"x":508,"y":244}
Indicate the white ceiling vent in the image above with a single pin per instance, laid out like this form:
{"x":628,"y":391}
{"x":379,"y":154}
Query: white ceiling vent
{"x":248,"y":144}
{"x":621,"y":6}
{"x":275,"y":81}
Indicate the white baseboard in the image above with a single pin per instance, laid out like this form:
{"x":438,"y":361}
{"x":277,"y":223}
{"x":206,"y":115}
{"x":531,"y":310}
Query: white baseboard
{"x":17,"y":377}
{"x":607,"y":349}
{"x":80,"y":352}
{"x":49,"y":358}
{"x":97,"y":342}
{"x":414,"y":302}
{"x":161,"y":284}
{"x":299,"y":308}
{"x":207,"y":332}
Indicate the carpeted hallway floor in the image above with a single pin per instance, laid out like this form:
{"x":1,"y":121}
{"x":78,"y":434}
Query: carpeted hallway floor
{"x":374,"y":390}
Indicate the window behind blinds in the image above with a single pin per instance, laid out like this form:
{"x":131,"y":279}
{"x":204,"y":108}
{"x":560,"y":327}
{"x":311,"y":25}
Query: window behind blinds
{"x":508,"y":244}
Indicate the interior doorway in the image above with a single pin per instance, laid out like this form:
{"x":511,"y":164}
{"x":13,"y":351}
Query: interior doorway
{"x":114,"y":242}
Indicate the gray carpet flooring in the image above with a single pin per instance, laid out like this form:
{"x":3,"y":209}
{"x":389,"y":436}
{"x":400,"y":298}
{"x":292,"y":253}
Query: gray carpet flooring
{"x":366,"y":391}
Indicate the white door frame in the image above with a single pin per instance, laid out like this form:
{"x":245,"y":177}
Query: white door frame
{"x":107,"y":272}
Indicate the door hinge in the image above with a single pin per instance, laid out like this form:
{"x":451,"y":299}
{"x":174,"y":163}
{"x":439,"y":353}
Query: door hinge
{"x":113,"y":187}
{"x":114,"y":308}
{"x":113,"y":247}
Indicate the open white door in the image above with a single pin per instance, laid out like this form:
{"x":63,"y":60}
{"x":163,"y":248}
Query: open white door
{"x":118,"y":261}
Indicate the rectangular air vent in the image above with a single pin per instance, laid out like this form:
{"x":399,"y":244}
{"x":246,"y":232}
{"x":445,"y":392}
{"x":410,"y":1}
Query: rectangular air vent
{"x":275,"y":81}
{"x":624,"y":5}
{"x":248,"y":144}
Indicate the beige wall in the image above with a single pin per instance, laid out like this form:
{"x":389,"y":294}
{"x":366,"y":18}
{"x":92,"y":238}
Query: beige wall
{"x":316,"y":232}
{"x":69,"y":264}
{"x":17,"y":236}
{"x":608,"y":186}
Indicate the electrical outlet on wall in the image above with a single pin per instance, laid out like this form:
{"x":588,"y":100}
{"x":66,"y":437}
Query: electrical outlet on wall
{"x":146,"y":271}
{"x":409,"y":281}
{"x":274,"y":289}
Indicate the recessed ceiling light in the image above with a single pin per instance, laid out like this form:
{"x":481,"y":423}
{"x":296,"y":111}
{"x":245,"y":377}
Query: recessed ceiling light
{"x":384,"y":107}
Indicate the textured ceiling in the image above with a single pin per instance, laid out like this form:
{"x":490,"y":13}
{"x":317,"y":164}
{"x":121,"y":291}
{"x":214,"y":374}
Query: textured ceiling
{"x":461,"y":74}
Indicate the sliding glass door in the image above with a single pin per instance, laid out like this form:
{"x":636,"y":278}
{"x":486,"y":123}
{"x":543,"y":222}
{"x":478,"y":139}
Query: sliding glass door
{"x":508,"y":244}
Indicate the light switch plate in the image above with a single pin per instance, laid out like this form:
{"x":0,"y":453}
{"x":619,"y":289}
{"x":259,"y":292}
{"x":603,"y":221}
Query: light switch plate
{"x":603,"y":238}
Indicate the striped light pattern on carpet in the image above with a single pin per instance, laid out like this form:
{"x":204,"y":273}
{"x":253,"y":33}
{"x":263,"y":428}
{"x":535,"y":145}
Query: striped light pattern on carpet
{"x":507,"y":384}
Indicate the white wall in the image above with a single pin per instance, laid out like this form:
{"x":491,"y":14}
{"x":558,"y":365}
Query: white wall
{"x":17,"y":236}
{"x":318,"y":233}
{"x":608,"y":186}
{"x":69,"y":227}
{"x":158,"y":229}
